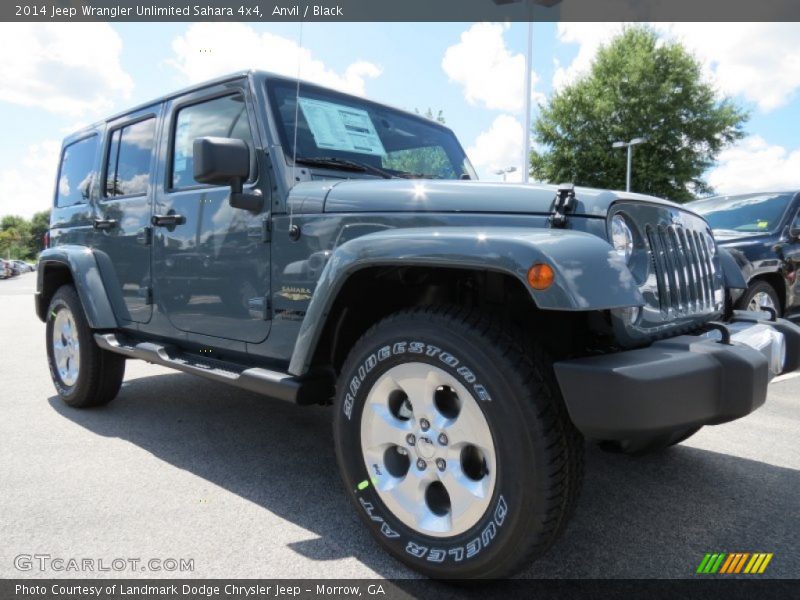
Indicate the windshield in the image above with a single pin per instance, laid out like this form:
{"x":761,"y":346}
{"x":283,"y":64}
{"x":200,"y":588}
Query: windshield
{"x":337,"y":128}
{"x":749,"y":213}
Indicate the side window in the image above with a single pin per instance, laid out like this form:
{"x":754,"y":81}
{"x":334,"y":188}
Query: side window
{"x":220,"y":117}
{"x":128,"y":166}
{"x":76,"y":172}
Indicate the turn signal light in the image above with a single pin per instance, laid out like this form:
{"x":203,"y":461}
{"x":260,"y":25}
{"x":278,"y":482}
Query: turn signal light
{"x":541,"y":276}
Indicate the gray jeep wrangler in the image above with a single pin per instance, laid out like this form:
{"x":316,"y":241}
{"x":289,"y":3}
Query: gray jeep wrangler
{"x":320,"y":248}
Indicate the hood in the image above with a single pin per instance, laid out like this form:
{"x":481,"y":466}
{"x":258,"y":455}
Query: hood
{"x":425,"y":195}
{"x":738,"y":238}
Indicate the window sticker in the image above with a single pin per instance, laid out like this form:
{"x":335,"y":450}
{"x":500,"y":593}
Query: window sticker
{"x":339,"y":127}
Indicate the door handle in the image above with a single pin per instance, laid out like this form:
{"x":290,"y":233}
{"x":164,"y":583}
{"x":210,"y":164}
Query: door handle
{"x":104,"y":224}
{"x":170,"y":220}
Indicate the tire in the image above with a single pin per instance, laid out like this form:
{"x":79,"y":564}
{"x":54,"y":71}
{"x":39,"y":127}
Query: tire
{"x":510,"y":439}
{"x":87,"y":375}
{"x":759,"y":293}
{"x":640,"y":447}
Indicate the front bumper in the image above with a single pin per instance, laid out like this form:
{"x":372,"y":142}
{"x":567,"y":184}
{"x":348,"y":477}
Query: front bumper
{"x":678,"y":383}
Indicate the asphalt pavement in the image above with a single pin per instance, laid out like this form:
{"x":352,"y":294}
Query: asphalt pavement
{"x":178,"y":467}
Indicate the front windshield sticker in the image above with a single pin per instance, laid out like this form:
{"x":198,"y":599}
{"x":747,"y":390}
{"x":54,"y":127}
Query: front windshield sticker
{"x":339,"y":127}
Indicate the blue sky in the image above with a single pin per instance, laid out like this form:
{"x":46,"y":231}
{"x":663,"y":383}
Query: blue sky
{"x":58,"y":76}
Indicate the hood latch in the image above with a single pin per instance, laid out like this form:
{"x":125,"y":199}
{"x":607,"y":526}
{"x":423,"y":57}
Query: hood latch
{"x":563,"y":203}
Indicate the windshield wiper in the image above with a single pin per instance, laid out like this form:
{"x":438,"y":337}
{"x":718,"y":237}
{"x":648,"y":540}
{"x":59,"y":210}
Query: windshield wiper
{"x":343,"y":163}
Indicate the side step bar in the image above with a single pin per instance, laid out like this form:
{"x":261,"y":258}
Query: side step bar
{"x":275,"y":384}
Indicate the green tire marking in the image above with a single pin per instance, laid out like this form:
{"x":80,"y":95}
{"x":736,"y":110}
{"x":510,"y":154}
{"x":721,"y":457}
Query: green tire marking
{"x":703,"y":563}
{"x":363,"y":485}
{"x":718,"y":564}
{"x":710,"y":564}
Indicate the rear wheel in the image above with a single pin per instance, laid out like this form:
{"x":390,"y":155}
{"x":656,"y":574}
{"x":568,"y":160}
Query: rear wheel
{"x":83,"y":374}
{"x":454,"y":444}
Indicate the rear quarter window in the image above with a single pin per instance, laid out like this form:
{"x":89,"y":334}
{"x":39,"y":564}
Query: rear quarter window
{"x":76,"y":172}
{"x":128,"y":170}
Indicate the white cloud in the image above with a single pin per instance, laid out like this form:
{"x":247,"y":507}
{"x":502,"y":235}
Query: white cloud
{"x":208,"y":50}
{"x":488,"y":71}
{"x":589,"y":37}
{"x":498,"y":147}
{"x":755,"y":165}
{"x":758,"y":61}
{"x":66,"y":68}
{"x":28,"y":187}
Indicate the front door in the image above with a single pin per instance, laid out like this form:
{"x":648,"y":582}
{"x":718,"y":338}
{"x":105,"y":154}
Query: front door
{"x":122,"y":214}
{"x":210,"y":261}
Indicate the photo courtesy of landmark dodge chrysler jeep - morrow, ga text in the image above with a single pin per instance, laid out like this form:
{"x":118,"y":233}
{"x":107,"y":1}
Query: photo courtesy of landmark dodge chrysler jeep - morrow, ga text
{"x":321,"y":248}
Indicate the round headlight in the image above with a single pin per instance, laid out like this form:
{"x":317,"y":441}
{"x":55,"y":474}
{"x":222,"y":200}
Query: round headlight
{"x":621,"y":237}
{"x":712,"y":245}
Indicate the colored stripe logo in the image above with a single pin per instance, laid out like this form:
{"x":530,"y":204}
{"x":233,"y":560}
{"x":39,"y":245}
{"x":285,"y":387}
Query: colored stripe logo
{"x":721,"y":563}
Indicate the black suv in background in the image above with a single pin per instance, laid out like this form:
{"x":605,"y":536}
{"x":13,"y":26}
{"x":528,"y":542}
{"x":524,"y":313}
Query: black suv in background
{"x":762,"y":232}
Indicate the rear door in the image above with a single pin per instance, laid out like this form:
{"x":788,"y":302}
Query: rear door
{"x":122,"y":213}
{"x":211,"y":267}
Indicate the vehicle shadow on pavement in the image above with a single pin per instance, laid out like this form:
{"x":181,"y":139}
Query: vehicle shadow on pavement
{"x":653,"y":517}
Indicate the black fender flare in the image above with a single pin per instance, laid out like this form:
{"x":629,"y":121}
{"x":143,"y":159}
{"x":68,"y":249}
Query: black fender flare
{"x":82,"y":265}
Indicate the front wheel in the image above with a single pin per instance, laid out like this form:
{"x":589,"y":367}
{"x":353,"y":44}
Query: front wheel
{"x":760,"y":295}
{"x":83,"y":374}
{"x":454,"y":444}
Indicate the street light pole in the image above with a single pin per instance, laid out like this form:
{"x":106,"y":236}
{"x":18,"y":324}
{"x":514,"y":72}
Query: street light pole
{"x":505,"y":171}
{"x":526,"y":149}
{"x":628,"y":170}
{"x":629,"y":146}
{"x":526,"y":143}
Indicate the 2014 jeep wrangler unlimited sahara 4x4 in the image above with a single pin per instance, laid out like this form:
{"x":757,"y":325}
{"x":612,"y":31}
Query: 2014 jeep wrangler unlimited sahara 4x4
{"x":318,"y":247}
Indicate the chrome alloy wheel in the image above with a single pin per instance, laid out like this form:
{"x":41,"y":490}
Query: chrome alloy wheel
{"x":66,"y":348}
{"x":761,"y":300}
{"x":428,"y":449}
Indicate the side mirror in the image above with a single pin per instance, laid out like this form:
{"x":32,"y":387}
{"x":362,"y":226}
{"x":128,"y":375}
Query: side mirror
{"x":794,"y":232}
{"x":226,"y":161}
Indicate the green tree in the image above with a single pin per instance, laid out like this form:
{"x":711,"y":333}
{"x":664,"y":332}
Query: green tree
{"x":40,"y":223}
{"x":638,"y":85}
{"x":14,"y":232}
{"x":23,"y":239}
{"x":13,"y":222}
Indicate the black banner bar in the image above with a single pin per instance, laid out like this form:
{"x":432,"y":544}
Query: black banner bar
{"x":733,"y":588}
{"x":401,"y":10}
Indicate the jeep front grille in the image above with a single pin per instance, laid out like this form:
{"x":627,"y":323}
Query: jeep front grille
{"x":683,"y":268}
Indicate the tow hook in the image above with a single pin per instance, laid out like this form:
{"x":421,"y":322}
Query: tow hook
{"x":723,"y":329}
{"x":762,"y":336}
